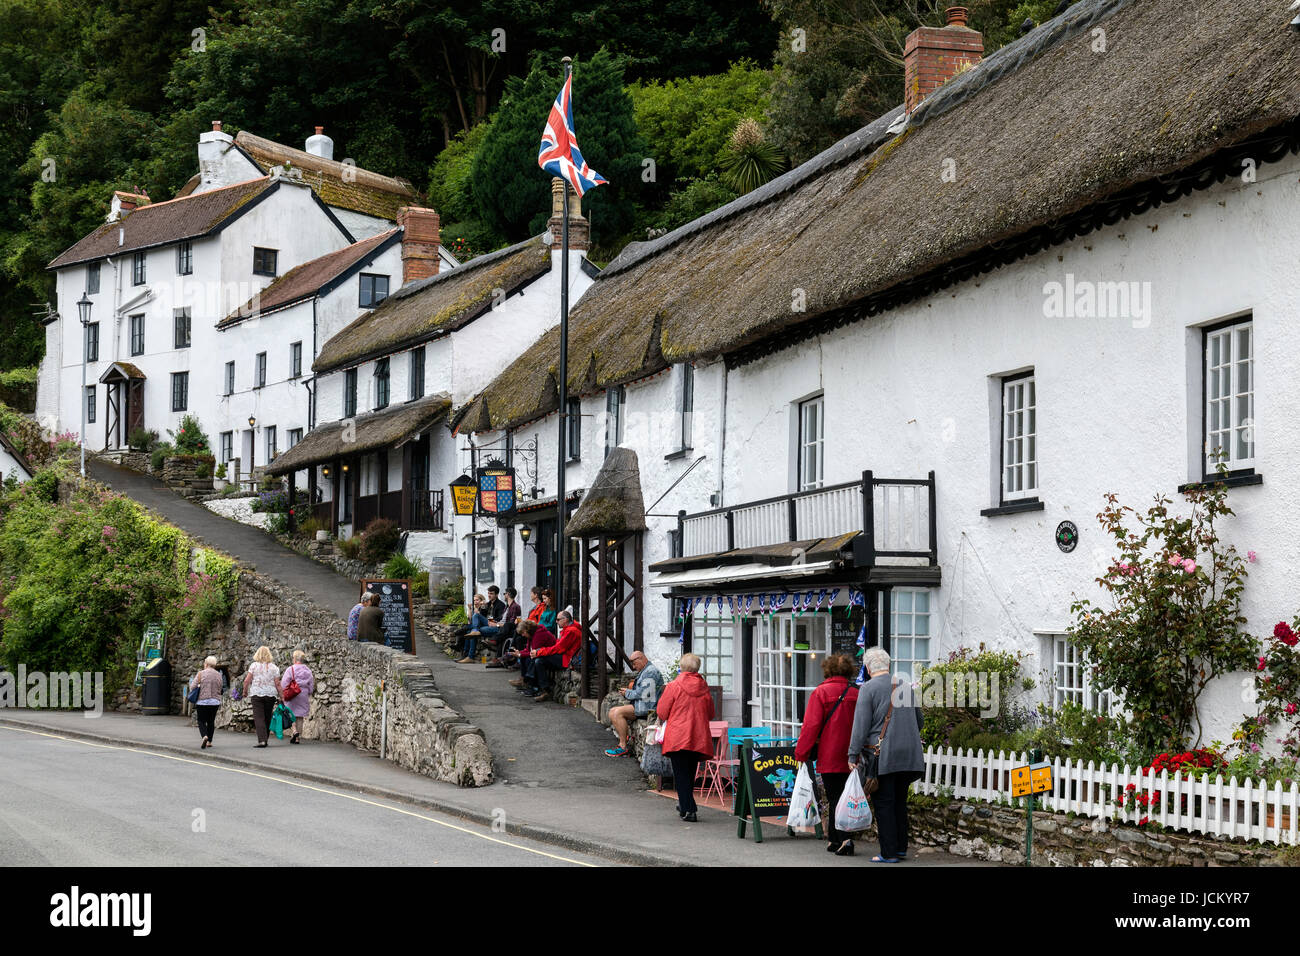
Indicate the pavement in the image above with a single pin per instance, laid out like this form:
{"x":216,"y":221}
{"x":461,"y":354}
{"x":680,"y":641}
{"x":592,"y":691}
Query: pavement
{"x":615,"y":824}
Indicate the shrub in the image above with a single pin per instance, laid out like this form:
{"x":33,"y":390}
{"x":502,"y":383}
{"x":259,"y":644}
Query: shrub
{"x":455,"y":617}
{"x":1176,"y":621}
{"x":161,"y":451}
{"x":1074,"y":732}
{"x":142,"y":439}
{"x":420,"y":587}
{"x":309,"y":526}
{"x":400,"y":567}
{"x":203,"y":469}
{"x":1277,"y":692}
{"x":189,"y":438}
{"x":994,"y":674}
{"x":221,"y":471}
{"x":278,"y":522}
{"x":277,"y":501}
{"x":350,"y":547}
{"x":379,"y":540}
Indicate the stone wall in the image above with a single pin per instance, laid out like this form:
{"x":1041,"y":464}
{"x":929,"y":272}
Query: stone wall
{"x":424,"y":734}
{"x":998,"y":834}
{"x":178,"y":473}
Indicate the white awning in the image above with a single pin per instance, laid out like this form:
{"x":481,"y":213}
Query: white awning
{"x":738,"y":572}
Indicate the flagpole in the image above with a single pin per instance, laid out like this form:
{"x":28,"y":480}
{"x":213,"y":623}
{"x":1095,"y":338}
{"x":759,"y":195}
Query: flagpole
{"x":560,"y":509}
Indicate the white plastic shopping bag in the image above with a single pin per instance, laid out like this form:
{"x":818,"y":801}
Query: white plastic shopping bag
{"x":853,"y":812}
{"x":803,"y":802}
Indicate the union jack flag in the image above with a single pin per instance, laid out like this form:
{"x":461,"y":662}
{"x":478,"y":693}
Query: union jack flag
{"x":559,"y":154}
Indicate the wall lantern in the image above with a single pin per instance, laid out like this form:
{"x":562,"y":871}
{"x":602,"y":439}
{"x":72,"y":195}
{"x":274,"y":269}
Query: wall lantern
{"x":252,"y":422}
{"x":525,"y":535}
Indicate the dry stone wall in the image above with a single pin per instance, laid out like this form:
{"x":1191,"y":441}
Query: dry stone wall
{"x":352,"y":679}
{"x":983,"y":832}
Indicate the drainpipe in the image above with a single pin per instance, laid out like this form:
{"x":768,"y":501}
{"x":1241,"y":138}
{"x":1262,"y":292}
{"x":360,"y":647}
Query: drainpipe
{"x":722,"y":440}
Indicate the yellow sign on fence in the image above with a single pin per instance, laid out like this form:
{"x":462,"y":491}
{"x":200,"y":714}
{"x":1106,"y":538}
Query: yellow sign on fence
{"x":1032,"y":778}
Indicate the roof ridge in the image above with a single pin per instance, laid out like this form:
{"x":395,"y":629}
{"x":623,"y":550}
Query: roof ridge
{"x":330,"y":166}
{"x":411,"y":288}
{"x":1001,"y":62}
{"x":206,"y":192}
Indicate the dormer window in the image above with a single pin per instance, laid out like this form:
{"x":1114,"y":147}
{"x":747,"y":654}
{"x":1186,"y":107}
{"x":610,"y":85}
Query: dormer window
{"x":374,"y":289}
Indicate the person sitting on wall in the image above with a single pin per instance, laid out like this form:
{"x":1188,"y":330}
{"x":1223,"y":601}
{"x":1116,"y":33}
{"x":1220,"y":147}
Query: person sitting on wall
{"x":462,"y":633}
{"x":370,"y":626}
{"x":549,"y":660}
{"x":537,"y":637}
{"x":354,"y":618}
{"x":509,"y":621}
{"x":643,"y":692}
{"x":484,"y":623}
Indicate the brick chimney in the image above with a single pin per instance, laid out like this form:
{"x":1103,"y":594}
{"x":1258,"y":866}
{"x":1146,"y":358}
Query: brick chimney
{"x":934,"y":55}
{"x":420,"y":238}
{"x":579,"y":228}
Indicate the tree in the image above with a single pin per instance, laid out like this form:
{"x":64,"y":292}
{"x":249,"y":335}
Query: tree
{"x":1176,"y":621}
{"x":512,"y":194}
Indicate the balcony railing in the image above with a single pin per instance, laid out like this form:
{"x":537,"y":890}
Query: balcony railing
{"x":898,"y":518}
{"x":426,"y":510}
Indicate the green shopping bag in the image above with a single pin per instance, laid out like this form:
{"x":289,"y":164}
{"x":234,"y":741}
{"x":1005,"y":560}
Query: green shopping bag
{"x":281,"y":720}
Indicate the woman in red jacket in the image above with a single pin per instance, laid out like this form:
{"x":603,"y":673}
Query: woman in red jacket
{"x":829,"y":715}
{"x":686,"y":706}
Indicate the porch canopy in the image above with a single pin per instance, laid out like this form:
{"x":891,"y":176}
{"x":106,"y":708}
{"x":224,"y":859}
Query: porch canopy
{"x":121,"y":372}
{"x":830,"y":560}
{"x":388,"y":428}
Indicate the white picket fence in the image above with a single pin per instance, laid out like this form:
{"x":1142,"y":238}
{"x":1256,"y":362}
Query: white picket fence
{"x":1211,"y":806}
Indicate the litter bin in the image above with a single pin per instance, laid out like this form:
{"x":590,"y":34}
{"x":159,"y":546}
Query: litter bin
{"x":155,"y":699}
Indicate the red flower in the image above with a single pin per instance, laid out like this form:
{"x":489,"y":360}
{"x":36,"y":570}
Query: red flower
{"x":1284,"y":634}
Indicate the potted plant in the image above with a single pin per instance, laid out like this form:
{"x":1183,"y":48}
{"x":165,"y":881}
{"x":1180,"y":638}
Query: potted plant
{"x":219,"y":478}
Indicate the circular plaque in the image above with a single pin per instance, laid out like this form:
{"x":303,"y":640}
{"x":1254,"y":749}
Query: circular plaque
{"x":1067,"y":536}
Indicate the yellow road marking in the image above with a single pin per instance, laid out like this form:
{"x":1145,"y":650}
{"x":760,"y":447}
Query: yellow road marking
{"x":301,"y":785}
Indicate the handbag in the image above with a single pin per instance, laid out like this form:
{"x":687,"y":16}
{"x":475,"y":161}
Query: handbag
{"x":871,"y":766}
{"x":653,"y":761}
{"x":193,"y":695}
{"x":660,"y":731}
{"x":292,"y":689}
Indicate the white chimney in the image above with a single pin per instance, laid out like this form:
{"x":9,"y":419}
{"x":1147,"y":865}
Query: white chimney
{"x":214,"y":171}
{"x":320,"y":144}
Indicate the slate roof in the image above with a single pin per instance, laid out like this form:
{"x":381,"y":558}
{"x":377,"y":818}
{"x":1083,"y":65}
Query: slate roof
{"x":160,"y":223}
{"x":304,"y":281}
{"x":1043,"y":132}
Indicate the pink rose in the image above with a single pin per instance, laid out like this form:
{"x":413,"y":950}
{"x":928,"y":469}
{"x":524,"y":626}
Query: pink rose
{"x":1290,"y":709}
{"x":1175,"y":559}
{"x":1251,"y":556}
{"x":1262,"y":664}
{"x":1189,"y":566}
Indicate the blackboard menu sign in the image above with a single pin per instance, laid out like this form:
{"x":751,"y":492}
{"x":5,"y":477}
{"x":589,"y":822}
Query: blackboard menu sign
{"x":399,"y":614}
{"x":844,"y":630}
{"x":770,"y":773}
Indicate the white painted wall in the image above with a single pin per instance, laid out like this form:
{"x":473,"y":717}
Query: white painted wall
{"x":11,"y":466}
{"x":910,"y":391}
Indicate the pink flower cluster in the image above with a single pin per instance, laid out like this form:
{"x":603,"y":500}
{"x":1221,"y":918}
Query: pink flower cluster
{"x":1187,"y":564}
{"x":1283,"y":633}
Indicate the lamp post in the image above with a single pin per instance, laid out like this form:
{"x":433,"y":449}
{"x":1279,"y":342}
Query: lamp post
{"x":252,"y":450}
{"x":83,"y":312}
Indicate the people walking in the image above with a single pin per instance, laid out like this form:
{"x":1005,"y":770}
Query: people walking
{"x":299,"y":674}
{"x":827,"y":729}
{"x":210,"y":683}
{"x":686,"y":706}
{"x":262,"y":688}
{"x":887,"y":726}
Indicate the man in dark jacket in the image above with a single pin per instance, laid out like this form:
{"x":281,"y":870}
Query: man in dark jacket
{"x":370,"y":627}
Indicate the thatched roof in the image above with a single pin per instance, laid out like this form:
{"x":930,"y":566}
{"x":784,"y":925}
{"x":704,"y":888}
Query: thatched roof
{"x":382,"y":429}
{"x":1041,"y":131}
{"x":338,"y":184}
{"x":304,"y":281}
{"x":614,"y":504}
{"x":436,"y":305}
{"x":164,"y":222}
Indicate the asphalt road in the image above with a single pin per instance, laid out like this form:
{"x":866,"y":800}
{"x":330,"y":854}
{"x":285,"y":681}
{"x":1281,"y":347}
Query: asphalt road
{"x":73,"y":803}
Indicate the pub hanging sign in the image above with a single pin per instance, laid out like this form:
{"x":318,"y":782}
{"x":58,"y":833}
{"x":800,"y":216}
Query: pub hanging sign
{"x":496,"y":490}
{"x":463,"y":495}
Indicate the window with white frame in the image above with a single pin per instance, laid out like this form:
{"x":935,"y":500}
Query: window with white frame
{"x":812,"y":443}
{"x":90,"y":404}
{"x":1019,"y":437}
{"x":259,"y":371}
{"x":92,"y":278}
{"x":909,"y":631}
{"x":686,"y":402}
{"x":295,"y":360}
{"x":788,"y":655}
{"x":227,"y":446}
{"x":272,"y":449}
{"x":294,"y":435}
{"x":417,"y":373}
{"x":712,"y":640}
{"x":137,"y":334}
{"x":230,"y":378}
{"x":137,"y":269}
{"x":1230,"y":397}
{"x":184,"y":259}
{"x":1071,"y":680}
{"x":615,"y":400}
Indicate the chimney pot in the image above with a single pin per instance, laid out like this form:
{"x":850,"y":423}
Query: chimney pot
{"x":320,"y":144}
{"x":319,"y":130}
{"x":216,"y":126}
{"x":956,"y":16}
{"x":579,"y":228}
